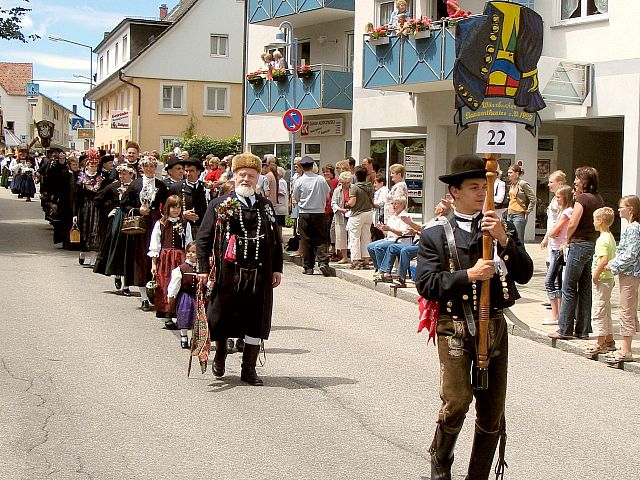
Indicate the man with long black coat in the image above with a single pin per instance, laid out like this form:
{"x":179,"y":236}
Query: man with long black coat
{"x":240,"y":231}
{"x":192,"y":192}
{"x":453,"y":277}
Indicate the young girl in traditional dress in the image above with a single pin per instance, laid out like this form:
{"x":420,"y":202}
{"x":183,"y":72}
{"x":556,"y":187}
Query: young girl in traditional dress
{"x":182,"y":293}
{"x":28,"y":186}
{"x":170,"y":235}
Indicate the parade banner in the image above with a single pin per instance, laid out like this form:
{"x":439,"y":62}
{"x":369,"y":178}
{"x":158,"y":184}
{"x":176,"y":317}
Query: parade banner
{"x":495,"y":75}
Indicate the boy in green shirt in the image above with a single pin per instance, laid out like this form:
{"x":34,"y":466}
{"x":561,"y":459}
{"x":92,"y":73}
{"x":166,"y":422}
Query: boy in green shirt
{"x":602,"y":282}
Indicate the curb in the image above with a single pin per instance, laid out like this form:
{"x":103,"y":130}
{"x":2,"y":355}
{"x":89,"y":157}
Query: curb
{"x":409,"y":295}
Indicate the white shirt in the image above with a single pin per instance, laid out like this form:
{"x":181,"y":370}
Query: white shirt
{"x":155,"y":244}
{"x":252,"y":200}
{"x":176,"y":282}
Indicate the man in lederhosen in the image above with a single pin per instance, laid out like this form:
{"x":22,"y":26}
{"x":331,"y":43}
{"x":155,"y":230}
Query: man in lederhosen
{"x":450,"y":270}
{"x":240,"y":232}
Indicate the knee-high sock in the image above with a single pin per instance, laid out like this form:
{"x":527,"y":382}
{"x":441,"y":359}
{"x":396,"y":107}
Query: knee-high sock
{"x":143,"y":294}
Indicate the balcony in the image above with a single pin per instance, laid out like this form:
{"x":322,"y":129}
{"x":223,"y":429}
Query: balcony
{"x":407,"y":64}
{"x":328,"y":89}
{"x":309,"y":12}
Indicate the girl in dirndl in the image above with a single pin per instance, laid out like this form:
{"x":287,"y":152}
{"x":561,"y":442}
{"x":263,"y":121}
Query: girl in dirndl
{"x":28,"y":187}
{"x":170,"y":235}
{"x":182,"y":290}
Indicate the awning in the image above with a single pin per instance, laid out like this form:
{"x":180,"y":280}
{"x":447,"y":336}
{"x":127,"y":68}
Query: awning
{"x":11,"y":139}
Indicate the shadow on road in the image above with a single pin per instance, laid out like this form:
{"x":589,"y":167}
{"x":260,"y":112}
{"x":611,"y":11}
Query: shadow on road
{"x":293,"y":327}
{"x":290,"y":383}
{"x":288,"y":351}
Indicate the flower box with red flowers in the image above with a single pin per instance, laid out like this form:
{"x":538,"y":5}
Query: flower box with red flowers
{"x":379,"y":36}
{"x":255,"y":78}
{"x":418,"y":28}
{"x":305,"y":71}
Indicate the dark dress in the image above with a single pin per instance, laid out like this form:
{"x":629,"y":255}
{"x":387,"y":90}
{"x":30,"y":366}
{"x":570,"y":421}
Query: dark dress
{"x":185,"y":302}
{"x":110,"y":260}
{"x":86,"y":209}
{"x":28,"y":186}
{"x":242,"y":295}
{"x":193,"y":197}
{"x":137,"y":269}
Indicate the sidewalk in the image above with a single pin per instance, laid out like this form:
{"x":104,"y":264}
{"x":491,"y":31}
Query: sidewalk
{"x":528,"y":310}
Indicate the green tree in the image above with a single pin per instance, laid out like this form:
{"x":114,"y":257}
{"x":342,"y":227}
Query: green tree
{"x":200,"y":146}
{"x":11,"y":24}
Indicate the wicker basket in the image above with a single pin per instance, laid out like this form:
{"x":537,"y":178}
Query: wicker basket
{"x":133,"y":224}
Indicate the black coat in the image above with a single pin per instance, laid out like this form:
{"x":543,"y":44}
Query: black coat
{"x":137,"y":263}
{"x":435,"y":281}
{"x":191,"y":198}
{"x":233,"y":312}
{"x":110,"y":259}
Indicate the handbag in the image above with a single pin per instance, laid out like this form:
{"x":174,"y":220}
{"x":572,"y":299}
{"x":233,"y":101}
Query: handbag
{"x":74,"y":234}
{"x":133,"y":224}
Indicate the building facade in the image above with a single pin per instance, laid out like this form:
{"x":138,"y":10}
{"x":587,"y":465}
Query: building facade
{"x":160,"y":78}
{"x":403,"y":99}
{"x":15,"y":113}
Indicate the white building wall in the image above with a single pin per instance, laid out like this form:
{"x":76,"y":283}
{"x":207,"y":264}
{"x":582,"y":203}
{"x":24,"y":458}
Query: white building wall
{"x":15,"y":109}
{"x":184,"y":52}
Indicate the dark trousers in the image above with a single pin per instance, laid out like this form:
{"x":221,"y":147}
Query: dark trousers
{"x":314,"y":235}
{"x":457,"y":358}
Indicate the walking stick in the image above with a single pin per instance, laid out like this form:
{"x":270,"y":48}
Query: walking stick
{"x":482,"y":370}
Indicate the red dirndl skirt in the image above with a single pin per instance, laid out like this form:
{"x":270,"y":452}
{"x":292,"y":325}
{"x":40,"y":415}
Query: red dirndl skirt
{"x":169,"y":259}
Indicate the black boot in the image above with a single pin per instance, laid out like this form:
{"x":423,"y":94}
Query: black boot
{"x":249,"y":359}
{"x":220,"y":357}
{"x":482,"y":452}
{"x":442,"y":454}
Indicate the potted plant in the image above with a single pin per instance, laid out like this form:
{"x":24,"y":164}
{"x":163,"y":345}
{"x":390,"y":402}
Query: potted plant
{"x":379,"y":36}
{"x":305,"y":71}
{"x":417,"y":28}
{"x":255,"y":78}
{"x":279,"y":74}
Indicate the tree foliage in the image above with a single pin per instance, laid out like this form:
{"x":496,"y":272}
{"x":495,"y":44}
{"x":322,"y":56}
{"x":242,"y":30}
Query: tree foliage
{"x":11,"y":24}
{"x":200,"y":146}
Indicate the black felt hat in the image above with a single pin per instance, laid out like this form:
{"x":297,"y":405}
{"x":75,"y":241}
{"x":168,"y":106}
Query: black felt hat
{"x":464,"y":167}
{"x":193,"y":161}
{"x":173,"y":161}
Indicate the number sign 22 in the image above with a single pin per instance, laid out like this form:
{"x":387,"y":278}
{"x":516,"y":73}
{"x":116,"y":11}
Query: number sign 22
{"x":496,"y":137}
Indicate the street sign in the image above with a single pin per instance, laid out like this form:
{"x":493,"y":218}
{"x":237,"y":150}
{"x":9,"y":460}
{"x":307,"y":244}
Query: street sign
{"x":292,"y":120}
{"x":33,"y":101}
{"x":496,"y":137}
{"x":33,"y":89}
{"x":85,"y":133}
{"x":77,"y":123}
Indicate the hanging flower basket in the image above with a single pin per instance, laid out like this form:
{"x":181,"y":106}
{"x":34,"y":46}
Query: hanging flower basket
{"x":421,"y":35}
{"x":305,"y":72}
{"x":378,"y":36}
{"x":256,"y":81}
{"x":378,"y":41}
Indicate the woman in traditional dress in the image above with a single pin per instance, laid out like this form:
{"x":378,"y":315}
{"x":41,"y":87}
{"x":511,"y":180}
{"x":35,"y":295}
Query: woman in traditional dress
{"x":144,"y":197}
{"x":86,"y":213}
{"x":16,"y":180}
{"x":110,"y":259}
{"x":28,"y":186}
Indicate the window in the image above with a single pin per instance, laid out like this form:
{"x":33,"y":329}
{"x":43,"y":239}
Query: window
{"x":217,"y":100}
{"x":101,"y":67}
{"x":384,"y":8}
{"x":11,"y":126}
{"x":167,"y":142}
{"x":108,"y":62}
{"x":570,"y":9}
{"x":526,"y":3}
{"x":128,"y":99}
{"x":349,"y":51}
{"x":115,"y":56}
{"x":56,"y":114}
{"x":123,"y":106}
{"x":172,"y":98}
{"x":125,"y":40}
{"x":46,"y":110}
{"x":219,"y":45}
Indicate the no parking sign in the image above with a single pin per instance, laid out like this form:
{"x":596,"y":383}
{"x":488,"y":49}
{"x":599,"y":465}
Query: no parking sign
{"x":292,"y":120}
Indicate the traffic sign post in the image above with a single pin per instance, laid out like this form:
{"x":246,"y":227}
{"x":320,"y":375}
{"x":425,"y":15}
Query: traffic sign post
{"x":77,"y":123}
{"x":33,"y":89}
{"x":292,"y":120}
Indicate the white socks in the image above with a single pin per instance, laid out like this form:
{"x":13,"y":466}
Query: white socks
{"x":143,"y":294}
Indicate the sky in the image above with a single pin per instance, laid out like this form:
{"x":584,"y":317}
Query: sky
{"x":81,"y":21}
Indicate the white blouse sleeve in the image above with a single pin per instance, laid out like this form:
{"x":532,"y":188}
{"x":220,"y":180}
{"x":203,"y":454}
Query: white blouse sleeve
{"x":188,"y":236}
{"x":155,"y":244}
{"x":175,"y":283}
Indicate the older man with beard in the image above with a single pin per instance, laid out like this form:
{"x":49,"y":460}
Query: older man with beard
{"x":239,"y":232}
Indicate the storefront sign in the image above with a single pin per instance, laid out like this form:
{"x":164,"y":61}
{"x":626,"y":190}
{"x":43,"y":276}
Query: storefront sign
{"x":120,"y":119}
{"x":413,"y":175}
{"x":414,"y":163}
{"x":86,"y":133}
{"x":322,"y":128}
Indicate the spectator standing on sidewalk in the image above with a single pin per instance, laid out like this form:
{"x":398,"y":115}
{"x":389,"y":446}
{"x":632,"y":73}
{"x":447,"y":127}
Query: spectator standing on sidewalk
{"x":399,"y":188}
{"x":522,"y":200}
{"x":360,"y":219}
{"x":367,"y":162}
{"x":311,"y":192}
{"x":453,"y":281}
{"x":626,"y":265}
{"x":340,"y":209}
{"x":575,"y":309}
{"x":555,"y":238}
{"x":602,"y":281}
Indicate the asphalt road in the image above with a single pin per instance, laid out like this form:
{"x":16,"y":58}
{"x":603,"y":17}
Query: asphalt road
{"x":92,"y":387}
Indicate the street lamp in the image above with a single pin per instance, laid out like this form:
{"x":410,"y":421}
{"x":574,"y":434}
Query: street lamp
{"x":56,"y":38}
{"x":281,"y":41}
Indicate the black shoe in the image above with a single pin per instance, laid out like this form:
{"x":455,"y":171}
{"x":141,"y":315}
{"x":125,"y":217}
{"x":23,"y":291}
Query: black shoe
{"x":169,"y":325}
{"x":126,"y":292}
{"x":81,"y":260}
{"x":249,"y":359}
{"x":308,"y":271}
{"x":146,"y":306}
{"x":184,"y":341}
{"x":219,"y":359}
{"x":118,"y":283}
{"x":240,"y":345}
{"x":325,"y":269}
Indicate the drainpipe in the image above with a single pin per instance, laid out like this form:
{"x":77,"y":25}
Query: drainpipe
{"x":245,"y":34}
{"x":120,"y":75}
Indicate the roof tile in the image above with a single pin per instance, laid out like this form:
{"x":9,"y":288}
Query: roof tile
{"x":15,"y":76}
